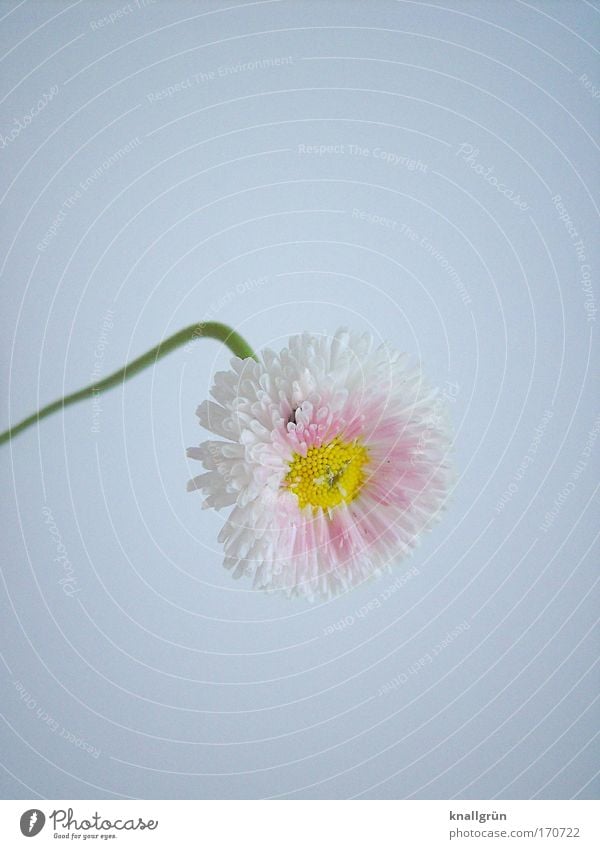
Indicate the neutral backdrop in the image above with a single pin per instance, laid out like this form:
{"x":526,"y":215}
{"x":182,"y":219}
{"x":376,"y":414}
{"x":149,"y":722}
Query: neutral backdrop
{"x":424,"y":171}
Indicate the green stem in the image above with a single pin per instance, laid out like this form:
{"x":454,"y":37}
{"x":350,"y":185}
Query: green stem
{"x":209,"y":329}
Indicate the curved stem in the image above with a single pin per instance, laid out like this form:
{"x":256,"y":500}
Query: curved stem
{"x":209,"y":329}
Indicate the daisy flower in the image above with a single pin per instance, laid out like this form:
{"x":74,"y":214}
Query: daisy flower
{"x":333,"y":457}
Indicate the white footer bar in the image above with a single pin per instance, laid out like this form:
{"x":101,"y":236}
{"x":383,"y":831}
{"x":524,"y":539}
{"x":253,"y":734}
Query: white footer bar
{"x":302,"y":824}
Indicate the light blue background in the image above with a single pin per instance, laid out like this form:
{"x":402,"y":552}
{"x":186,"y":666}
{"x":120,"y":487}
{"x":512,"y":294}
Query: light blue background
{"x":187,"y":683}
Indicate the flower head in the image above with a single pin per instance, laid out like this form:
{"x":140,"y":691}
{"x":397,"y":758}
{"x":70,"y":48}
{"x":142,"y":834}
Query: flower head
{"x":333,"y":455}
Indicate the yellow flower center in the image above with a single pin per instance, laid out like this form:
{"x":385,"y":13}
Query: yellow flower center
{"x":330,"y":475}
